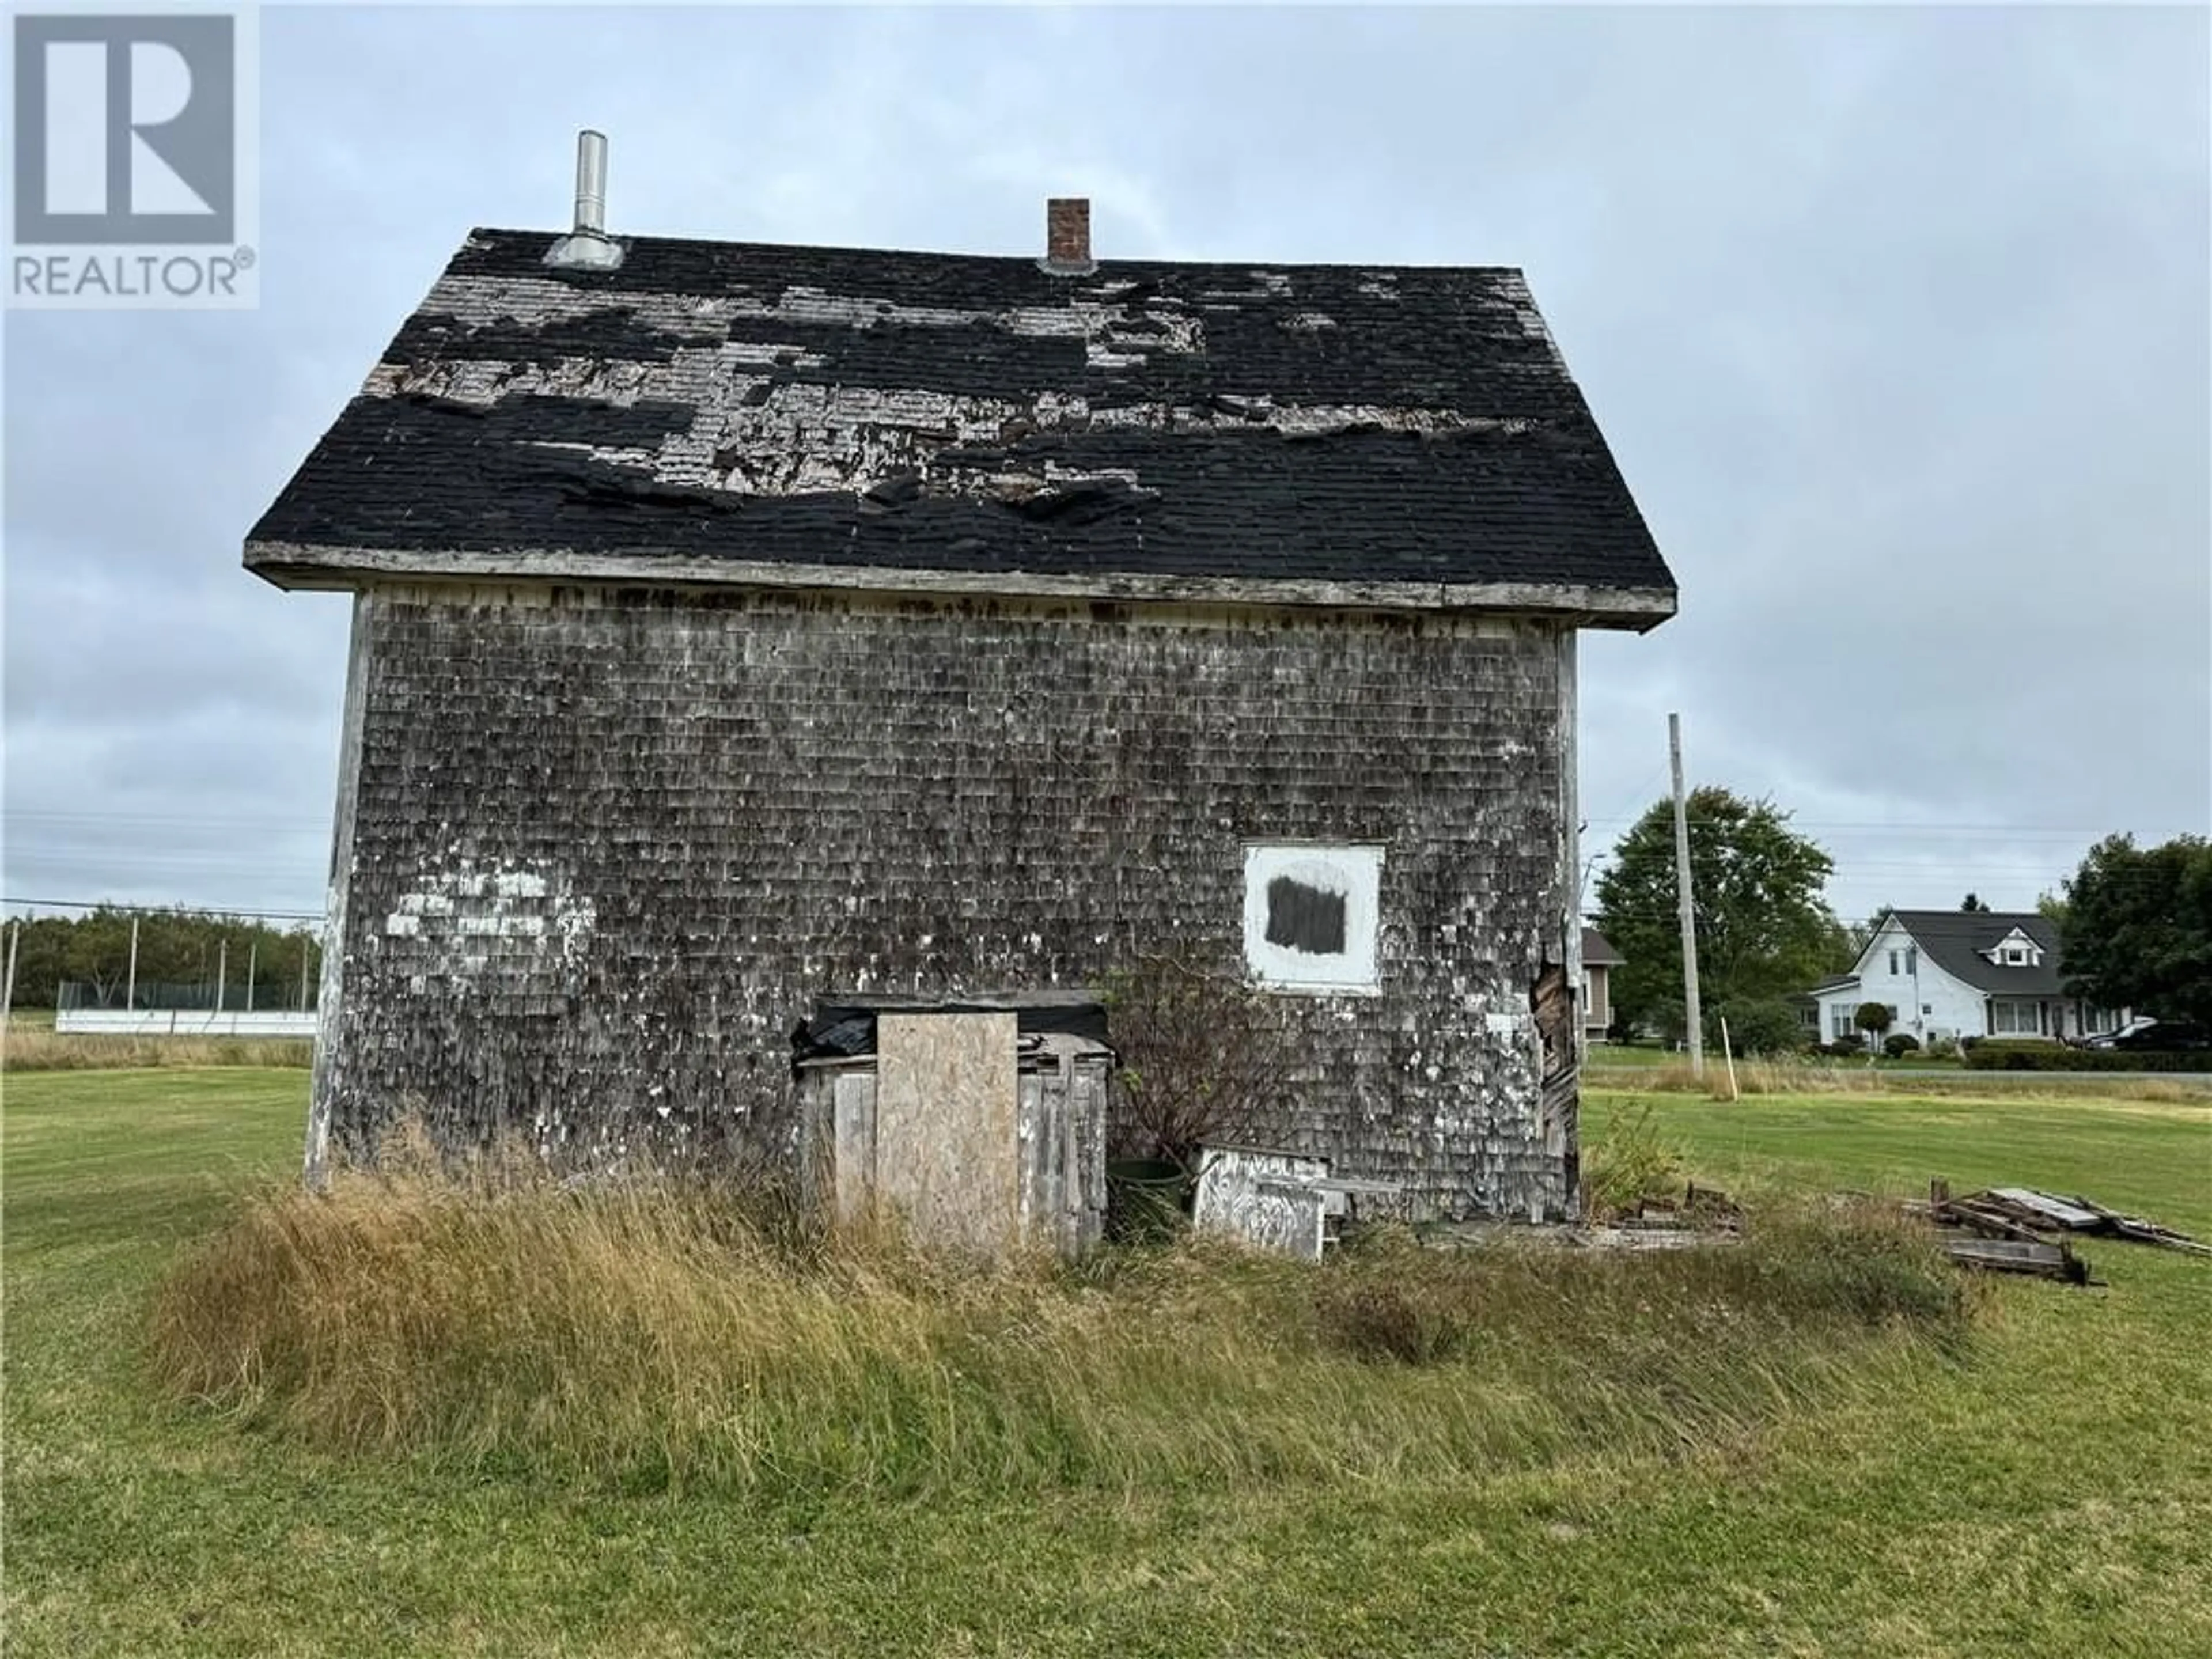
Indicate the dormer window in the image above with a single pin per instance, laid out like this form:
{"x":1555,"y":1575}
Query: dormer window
{"x":2017,"y":949}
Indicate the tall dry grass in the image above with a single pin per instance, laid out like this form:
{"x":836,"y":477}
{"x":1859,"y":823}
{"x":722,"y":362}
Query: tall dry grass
{"x":1756,"y":1077}
{"x":36,"y":1050}
{"x":652,"y":1333}
{"x":1813,"y":1077}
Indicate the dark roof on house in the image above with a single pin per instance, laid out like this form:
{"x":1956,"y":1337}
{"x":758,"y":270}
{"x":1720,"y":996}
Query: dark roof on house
{"x":1598,"y":949}
{"x":723,"y":412}
{"x":1954,"y":939}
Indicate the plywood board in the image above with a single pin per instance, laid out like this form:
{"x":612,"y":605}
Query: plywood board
{"x":947,"y":1147}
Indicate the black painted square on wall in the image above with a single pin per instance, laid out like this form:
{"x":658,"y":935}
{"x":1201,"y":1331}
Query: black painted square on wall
{"x":1304,"y":918}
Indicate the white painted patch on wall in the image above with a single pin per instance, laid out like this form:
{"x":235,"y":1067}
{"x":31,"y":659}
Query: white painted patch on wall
{"x":1310,"y":916}
{"x":468,"y":920}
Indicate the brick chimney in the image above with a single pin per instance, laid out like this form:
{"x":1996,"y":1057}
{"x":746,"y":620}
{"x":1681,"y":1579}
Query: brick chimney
{"x":1067,"y":235}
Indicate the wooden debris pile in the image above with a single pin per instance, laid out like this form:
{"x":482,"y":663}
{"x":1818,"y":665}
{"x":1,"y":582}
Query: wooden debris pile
{"x":2020,"y":1229}
{"x":1699,"y":1206}
{"x":1702,"y":1215}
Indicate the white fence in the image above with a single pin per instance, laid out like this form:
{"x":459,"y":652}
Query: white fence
{"x":185,"y":1022}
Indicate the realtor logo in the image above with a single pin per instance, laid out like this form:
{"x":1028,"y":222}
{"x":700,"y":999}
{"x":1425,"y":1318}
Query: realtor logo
{"x":130,"y":134}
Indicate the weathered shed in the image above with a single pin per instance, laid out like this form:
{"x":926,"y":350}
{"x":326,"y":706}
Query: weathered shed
{"x":983,"y":1125}
{"x":739,"y":626}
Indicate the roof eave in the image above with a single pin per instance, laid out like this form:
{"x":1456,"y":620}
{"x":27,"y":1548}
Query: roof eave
{"x":293,"y":565}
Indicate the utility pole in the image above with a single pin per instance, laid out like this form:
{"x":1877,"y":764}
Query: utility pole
{"x":221,"y":971}
{"x":7,"y":988}
{"x":253,"y":963}
{"x":1689,"y":907}
{"x":131,"y":980}
{"x":306,"y":950}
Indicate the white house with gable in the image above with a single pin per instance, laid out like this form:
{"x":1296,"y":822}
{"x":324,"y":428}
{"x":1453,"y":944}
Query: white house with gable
{"x":1948,"y":974}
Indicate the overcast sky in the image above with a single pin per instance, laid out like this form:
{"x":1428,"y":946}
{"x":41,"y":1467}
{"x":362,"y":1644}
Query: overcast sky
{"x":1896,"y":320}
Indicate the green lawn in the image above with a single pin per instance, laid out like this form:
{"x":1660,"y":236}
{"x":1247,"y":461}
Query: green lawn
{"x":2051,"y":1494}
{"x":1624,"y":1056}
{"x":2124,"y":1153}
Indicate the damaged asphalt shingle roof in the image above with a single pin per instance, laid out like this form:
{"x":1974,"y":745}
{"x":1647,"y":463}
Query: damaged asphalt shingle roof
{"x":915,"y":412}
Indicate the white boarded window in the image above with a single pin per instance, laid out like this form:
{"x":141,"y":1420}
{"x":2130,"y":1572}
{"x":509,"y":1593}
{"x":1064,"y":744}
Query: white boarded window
{"x":1310,"y":916}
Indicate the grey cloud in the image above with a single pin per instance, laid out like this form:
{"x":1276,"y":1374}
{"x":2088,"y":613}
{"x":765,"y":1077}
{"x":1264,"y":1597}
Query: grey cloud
{"x":1897,"y":319}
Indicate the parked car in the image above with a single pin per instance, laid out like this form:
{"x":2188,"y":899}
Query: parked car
{"x":2165,"y":1037}
{"x":2109,"y":1039}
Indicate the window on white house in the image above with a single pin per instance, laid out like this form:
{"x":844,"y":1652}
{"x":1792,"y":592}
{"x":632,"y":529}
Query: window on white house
{"x":1310,"y":916}
{"x":1892,"y":962}
{"x":2017,"y":1018}
{"x":1926,"y":1009}
{"x":1912,"y":959}
{"x":1842,"y":1022}
{"x":2015,"y":956}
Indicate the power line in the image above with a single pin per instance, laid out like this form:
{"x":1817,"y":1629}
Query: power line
{"x":190,"y":910}
{"x":64,"y":815}
{"x":1842,"y":826}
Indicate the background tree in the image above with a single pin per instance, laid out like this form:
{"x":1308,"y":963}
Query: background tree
{"x":2138,"y":928}
{"x":1873,"y":1019}
{"x":1972,"y":901}
{"x":1771,"y":1027}
{"x":175,"y":948}
{"x":1764,"y":931}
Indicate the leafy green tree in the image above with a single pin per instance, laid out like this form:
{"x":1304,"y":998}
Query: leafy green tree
{"x":1872,"y":1017}
{"x":1764,"y":932}
{"x":2138,"y":928}
{"x":1972,"y":901}
{"x":99,"y":950}
{"x":175,"y":947}
{"x":1770,"y":1027}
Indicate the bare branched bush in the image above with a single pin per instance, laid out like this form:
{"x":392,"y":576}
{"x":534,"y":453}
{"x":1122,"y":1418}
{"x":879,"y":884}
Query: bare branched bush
{"x":1205,"y":1059}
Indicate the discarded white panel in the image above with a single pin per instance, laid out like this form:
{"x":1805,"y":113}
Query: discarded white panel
{"x":1268,"y":1198}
